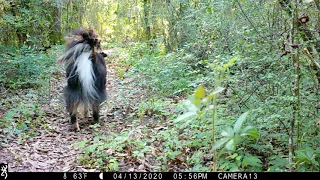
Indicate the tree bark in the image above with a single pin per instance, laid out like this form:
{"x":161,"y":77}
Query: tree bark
{"x":55,"y":36}
{"x":146,"y":19}
{"x":296,"y":89}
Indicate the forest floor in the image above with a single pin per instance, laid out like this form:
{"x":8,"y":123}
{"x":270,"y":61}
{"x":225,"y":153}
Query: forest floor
{"x":53,"y":147}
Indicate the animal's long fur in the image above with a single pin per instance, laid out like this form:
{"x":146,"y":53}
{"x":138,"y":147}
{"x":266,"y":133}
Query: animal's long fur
{"x":86,"y":75}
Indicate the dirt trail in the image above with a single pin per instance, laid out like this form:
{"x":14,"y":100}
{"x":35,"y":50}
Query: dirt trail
{"x":52,"y":148}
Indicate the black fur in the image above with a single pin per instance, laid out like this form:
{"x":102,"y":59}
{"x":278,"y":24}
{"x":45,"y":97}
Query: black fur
{"x":74,"y":93}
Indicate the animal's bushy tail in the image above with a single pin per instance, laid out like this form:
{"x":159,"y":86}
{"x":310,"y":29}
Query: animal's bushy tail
{"x":79,"y":56}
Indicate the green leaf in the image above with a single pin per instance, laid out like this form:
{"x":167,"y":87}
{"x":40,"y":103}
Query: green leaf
{"x":173,"y":155}
{"x":113,"y":165}
{"x":220,"y":142}
{"x":231,"y":146}
{"x":251,"y":131}
{"x":216,"y":91}
{"x":200,"y":92}
{"x":191,"y":107}
{"x":239,"y":122}
{"x":252,"y":161}
{"x":279,"y":162}
{"x":185,"y":116}
{"x":223,"y":166}
{"x":197,"y":103}
{"x":230,"y":63}
{"x":227,"y":132}
{"x":234,"y":155}
{"x":239,"y":158}
{"x":306,"y":155}
{"x":90,"y":148}
{"x":96,"y":138}
{"x":81,"y":144}
{"x":234,"y":169}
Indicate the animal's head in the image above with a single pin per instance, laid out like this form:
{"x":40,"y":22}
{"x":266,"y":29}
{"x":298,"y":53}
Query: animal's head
{"x":78,"y":41}
{"x":89,"y":36}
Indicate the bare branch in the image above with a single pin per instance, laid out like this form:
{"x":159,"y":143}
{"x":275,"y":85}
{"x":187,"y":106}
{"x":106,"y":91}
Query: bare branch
{"x":245,"y":15}
{"x":311,"y":58}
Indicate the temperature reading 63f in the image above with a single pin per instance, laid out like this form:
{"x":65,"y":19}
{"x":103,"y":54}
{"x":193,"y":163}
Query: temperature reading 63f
{"x":79,"y":175}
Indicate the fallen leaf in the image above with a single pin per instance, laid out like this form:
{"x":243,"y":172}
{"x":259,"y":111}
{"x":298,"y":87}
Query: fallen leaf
{"x":131,"y":169}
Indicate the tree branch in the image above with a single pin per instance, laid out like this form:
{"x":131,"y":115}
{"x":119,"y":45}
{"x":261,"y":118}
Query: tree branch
{"x":245,"y":15}
{"x":311,"y":58}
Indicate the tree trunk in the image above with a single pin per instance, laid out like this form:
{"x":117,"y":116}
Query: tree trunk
{"x":56,"y":34}
{"x":146,"y":18}
{"x":171,"y":32}
{"x":296,"y":65}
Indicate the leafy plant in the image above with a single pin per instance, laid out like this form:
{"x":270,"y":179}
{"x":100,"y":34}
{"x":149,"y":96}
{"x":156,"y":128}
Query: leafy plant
{"x":18,"y":120}
{"x":277,"y":164}
{"x":239,"y":161}
{"x":27,"y":68}
{"x":307,"y":158}
{"x":233,"y":136}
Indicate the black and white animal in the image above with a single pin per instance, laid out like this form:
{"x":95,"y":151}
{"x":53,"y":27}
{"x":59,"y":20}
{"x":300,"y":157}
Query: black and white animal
{"x":86,"y":76}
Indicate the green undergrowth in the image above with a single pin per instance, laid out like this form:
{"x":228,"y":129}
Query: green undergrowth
{"x":26,"y":67}
{"x":170,"y":144}
{"x":164,"y":74}
{"x":155,"y":132}
{"x":24,"y":86}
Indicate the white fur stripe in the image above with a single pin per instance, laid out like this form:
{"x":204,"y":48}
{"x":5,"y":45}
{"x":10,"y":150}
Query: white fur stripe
{"x":86,"y":74}
{"x":72,"y":52}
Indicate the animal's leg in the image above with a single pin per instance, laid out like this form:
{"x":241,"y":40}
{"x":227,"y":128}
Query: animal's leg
{"x":95,"y":112}
{"x":72,"y":109}
{"x":85,"y":111}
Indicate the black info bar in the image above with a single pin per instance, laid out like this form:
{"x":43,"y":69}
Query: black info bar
{"x":154,"y":175}
{"x":5,"y":174}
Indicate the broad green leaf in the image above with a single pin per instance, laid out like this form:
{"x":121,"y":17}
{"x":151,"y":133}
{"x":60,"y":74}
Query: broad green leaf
{"x":313,"y":161}
{"x":279,"y":162}
{"x":251,"y":160}
{"x":306,"y":155}
{"x":219,"y":68}
{"x":90,"y":148}
{"x":191,"y":98}
{"x":239,"y":158}
{"x":234,"y":155}
{"x":205,"y":100}
{"x":230,"y":145}
{"x":81,"y":144}
{"x":197,"y":103}
{"x":230,"y":63}
{"x":220,"y":142}
{"x":113,"y":164}
{"x":200,"y":92}
{"x":310,"y":153}
{"x":191,"y":107}
{"x":216,"y":91}
{"x":173,"y":154}
{"x":223,"y":165}
{"x":187,"y":122}
{"x":96,"y":138}
{"x":210,"y":107}
{"x":185,"y":116}
{"x":234,"y":169}
{"x":239,"y":122}
{"x":227,"y":132}
{"x":251,"y":131}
